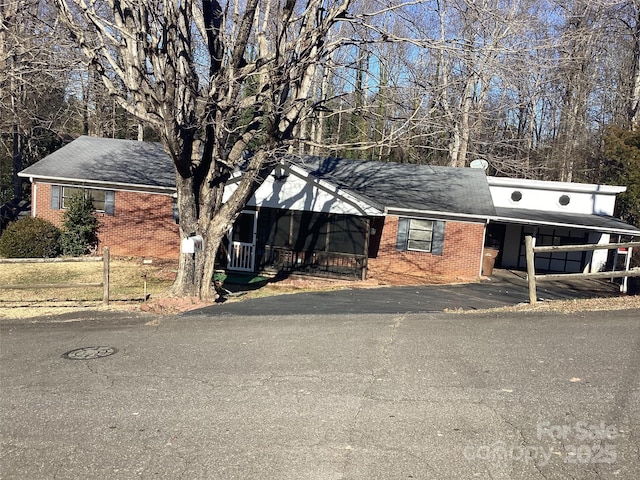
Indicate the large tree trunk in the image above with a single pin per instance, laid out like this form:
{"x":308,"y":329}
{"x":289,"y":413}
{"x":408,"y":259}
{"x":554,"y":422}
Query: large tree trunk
{"x":196,"y":270}
{"x":188,"y":282}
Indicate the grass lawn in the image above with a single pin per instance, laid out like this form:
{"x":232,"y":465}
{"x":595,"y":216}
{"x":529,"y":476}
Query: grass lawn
{"x":127,"y":289}
{"x":127,"y":280}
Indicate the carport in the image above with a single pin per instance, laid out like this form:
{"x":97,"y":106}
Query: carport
{"x":506,"y":232}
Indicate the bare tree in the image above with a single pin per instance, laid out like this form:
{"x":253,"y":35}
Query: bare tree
{"x":33,"y":80}
{"x":577,"y":72}
{"x":215,"y":80}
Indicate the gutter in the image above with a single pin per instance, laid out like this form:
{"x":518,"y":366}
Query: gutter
{"x":494,"y":218}
{"x":523,"y":221}
{"x":436,"y":214}
{"x":154,"y":189}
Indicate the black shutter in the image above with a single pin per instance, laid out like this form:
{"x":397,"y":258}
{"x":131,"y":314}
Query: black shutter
{"x":403,"y":234}
{"x":109,"y":202}
{"x":55,"y":197}
{"x":437,"y":240}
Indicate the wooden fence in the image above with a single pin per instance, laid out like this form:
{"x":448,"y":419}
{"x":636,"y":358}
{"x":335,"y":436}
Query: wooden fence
{"x":531,"y":250}
{"x":105,"y":259}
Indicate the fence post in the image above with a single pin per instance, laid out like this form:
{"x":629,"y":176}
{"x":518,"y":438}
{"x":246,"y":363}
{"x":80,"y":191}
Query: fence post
{"x":531,"y":269}
{"x":105,"y":275}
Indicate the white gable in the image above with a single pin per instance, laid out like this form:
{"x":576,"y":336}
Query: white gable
{"x":291,"y":188}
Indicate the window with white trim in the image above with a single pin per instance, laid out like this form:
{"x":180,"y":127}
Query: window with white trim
{"x":97,"y":197}
{"x":420,"y":235}
{"x":102,"y":200}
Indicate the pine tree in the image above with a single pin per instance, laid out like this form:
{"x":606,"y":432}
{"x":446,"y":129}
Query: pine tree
{"x":80,"y":226}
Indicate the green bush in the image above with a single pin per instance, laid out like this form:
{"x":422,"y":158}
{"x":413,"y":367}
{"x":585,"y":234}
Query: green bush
{"x":30,"y":238}
{"x":79,"y":226}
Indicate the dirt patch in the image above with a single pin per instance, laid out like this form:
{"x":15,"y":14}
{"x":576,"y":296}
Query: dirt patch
{"x":399,"y":280}
{"x":172,"y":305}
{"x":306,"y":282}
{"x":626,"y":302}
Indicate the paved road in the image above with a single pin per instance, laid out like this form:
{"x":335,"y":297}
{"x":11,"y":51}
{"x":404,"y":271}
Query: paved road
{"x":507,"y":289}
{"x":375,"y":396}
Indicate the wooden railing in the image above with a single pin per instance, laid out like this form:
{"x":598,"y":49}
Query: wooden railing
{"x":532,"y":277}
{"x":318,"y":263}
{"x":105,"y":259}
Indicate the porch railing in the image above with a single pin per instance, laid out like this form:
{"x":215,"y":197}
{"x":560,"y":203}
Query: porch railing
{"x":316,"y":263}
{"x":241,"y":256}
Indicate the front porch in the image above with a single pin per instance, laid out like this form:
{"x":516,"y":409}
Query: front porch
{"x":279,"y":241}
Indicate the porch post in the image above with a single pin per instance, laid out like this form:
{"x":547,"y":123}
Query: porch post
{"x":365,"y":265}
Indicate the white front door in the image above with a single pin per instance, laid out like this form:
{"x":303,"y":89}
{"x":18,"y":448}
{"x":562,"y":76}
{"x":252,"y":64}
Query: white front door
{"x":242,"y":242}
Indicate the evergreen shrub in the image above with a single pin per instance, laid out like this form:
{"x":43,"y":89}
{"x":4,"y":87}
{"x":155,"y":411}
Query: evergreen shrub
{"x":79,"y":226}
{"x":30,"y":238}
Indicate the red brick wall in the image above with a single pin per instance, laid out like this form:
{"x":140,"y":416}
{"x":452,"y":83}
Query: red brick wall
{"x":141,"y":226}
{"x":460,"y":259}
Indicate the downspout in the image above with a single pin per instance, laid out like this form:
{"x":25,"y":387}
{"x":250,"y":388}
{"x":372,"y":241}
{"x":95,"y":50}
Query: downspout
{"x":34,"y":196}
{"x":484,"y":240}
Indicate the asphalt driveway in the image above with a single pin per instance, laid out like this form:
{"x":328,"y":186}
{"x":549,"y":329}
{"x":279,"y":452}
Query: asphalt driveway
{"x":504,"y":289}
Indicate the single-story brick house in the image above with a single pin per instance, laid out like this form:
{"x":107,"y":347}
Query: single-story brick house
{"x":318,"y":215}
{"x":132,"y":185}
{"x":373,"y":218}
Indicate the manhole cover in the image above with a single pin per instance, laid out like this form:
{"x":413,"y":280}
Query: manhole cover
{"x":88,"y":353}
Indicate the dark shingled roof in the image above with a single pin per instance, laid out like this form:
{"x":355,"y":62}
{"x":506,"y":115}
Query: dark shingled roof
{"x":600,"y":223}
{"x":406,"y":186}
{"x":462,"y":191}
{"x":107,"y":160}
